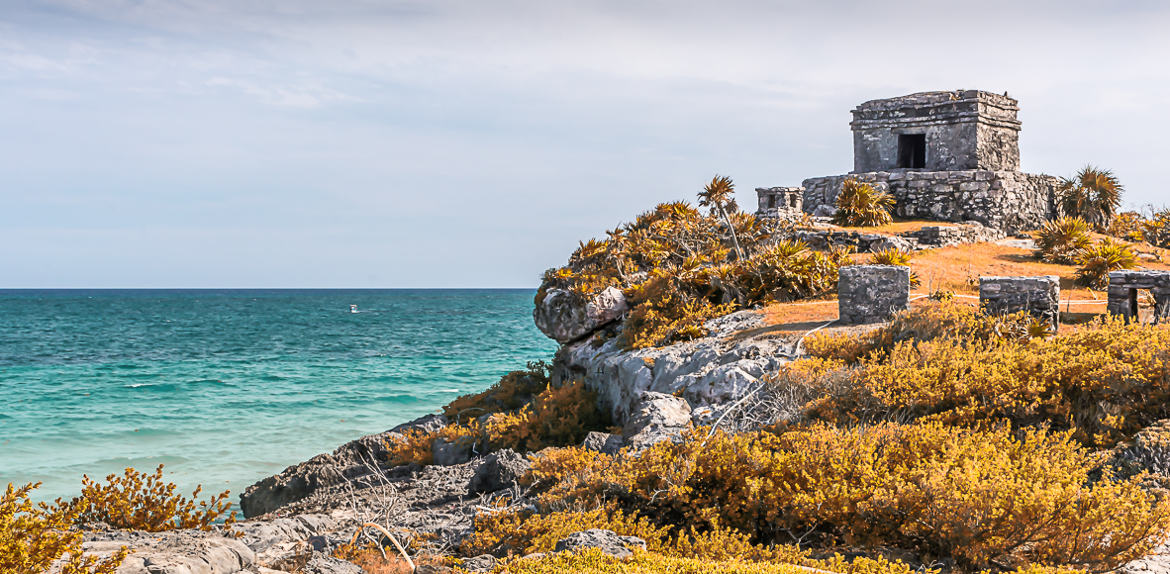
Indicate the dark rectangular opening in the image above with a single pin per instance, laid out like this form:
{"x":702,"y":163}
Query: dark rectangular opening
{"x":1133,"y":305}
{"x":912,"y":151}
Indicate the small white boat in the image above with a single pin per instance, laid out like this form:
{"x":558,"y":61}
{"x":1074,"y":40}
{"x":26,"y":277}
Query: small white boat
{"x":353,"y":309}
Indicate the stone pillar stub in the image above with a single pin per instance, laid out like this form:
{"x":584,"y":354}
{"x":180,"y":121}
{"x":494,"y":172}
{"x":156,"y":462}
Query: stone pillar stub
{"x":872,"y":293}
{"x":1039,"y":296}
{"x":1124,"y":287}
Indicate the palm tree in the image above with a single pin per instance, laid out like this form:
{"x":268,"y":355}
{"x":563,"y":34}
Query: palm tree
{"x":719,"y":195}
{"x":1092,"y":194}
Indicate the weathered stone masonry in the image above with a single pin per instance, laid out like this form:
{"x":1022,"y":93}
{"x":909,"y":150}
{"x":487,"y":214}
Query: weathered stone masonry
{"x":1124,"y":287}
{"x":783,"y":202}
{"x":872,"y":293}
{"x":1039,"y":296}
{"x":947,"y":156}
{"x":1005,"y":200}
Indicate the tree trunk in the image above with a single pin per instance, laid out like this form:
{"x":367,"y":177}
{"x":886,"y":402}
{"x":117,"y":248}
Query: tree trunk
{"x":734,"y":238}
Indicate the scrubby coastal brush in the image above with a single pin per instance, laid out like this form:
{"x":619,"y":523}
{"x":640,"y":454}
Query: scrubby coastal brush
{"x":33,"y":537}
{"x":678,"y":267}
{"x":1103,"y":381}
{"x":557,"y":416}
{"x":139,"y":501}
{"x":988,"y":498}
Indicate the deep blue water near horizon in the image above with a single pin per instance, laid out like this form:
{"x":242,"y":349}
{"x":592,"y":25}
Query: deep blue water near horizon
{"x":228,"y":386}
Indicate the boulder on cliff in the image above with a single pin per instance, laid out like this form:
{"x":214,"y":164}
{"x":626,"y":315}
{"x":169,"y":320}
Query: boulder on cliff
{"x":566,"y":316}
{"x":659,"y":417}
{"x":499,"y":470}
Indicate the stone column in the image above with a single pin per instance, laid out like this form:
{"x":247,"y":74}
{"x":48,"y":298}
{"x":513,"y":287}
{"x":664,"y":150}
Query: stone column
{"x":1039,"y":296}
{"x":872,"y":293}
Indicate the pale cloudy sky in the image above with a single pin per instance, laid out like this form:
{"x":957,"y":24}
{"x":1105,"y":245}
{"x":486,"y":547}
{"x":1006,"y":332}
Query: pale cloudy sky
{"x":299,"y":143}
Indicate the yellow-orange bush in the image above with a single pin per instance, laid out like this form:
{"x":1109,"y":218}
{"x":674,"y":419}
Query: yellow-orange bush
{"x":1104,"y":381}
{"x":985,"y":497}
{"x":678,"y":267}
{"x":139,"y":501}
{"x":558,"y":416}
{"x":33,"y":537}
{"x":593,"y":561}
{"x":512,"y":391}
{"x":523,"y":532}
{"x":927,"y":322}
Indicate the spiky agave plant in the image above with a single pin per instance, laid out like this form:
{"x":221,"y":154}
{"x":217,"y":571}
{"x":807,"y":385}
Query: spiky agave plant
{"x":719,"y":195}
{"x":1097,"y":261}
{"x":1093,"y":194}
{"x":895,"y":256}
{"x":1062,"y":240}
{"x":862,"y":205}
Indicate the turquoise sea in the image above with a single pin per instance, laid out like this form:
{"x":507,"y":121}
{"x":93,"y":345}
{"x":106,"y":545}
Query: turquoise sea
{"x":225,"y":387}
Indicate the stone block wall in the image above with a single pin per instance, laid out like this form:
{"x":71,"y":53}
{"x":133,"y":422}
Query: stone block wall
{"x":1039,"y":296}
{"x":872,"y":293}
{"x":1125,"y":288}
{"x":962,"y":130}
{"x":1009,"y":201}
{"x":782,"y":202}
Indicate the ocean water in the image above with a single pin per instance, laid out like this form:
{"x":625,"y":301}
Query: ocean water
{"x":226,"y":387}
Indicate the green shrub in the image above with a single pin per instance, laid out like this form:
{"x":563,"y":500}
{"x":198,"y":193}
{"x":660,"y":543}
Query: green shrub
{"x":1061,"y":241}
{"x":862,"y":205}
{"x":1097,"y":261}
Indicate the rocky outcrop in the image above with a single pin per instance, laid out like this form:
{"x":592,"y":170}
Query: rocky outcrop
{"x":607,"y":541}
{"x":173,"y":552}
{"x":603,"y":442}
{"x":657,"y":418}
{"x":499,"y":470}
{"x":566,"y":316}
{"x":350,"y":461}
{"x":711,"y":371}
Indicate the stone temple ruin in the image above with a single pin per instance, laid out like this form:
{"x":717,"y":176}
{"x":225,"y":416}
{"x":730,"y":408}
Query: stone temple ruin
{"x":945,"y":156}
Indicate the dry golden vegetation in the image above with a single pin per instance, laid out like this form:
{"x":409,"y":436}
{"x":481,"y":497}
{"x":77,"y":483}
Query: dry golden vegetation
{"x":556,"y":416}
{"x":593,"y":561}
{"x":139,"y":501}
{"x":989,"y":498}
{"x":1103,"y":381}
{"x":33,"y":537}
{"x":990,"y":462}
{"x":679,"y":267}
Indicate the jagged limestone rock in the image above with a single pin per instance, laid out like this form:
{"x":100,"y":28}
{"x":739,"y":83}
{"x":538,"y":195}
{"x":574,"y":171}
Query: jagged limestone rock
{"x":565,"y":316}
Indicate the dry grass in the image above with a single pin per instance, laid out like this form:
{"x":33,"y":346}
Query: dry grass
{"x":957,"y":269}
{"x":899,"y":226}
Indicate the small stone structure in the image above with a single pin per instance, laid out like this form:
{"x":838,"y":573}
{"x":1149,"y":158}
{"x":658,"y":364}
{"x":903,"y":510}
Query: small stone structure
{"x":946,"y":156}
{"x":872,"y":293}
{"x":782,"y":202}
{"x":1039,"y":296}
{"x":1124,"y":287}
